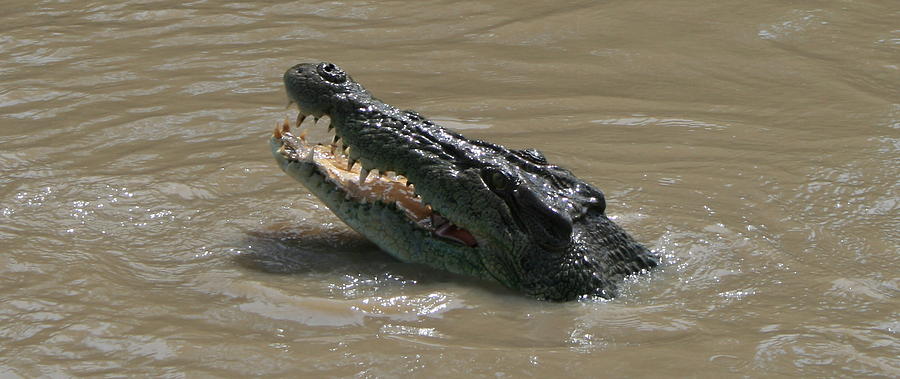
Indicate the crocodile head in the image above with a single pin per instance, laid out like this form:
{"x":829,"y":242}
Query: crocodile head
{"x":440,"y":199}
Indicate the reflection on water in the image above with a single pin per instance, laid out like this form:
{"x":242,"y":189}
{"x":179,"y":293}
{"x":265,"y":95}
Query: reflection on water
{"x":147,"y":231}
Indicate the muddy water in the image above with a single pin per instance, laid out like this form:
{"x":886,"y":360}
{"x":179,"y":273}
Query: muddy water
{"x":146,"y":230}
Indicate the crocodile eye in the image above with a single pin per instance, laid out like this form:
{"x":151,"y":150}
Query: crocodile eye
{"x":331,"y":72}
{"x":497,"y":180}
{"x":533,"y":156}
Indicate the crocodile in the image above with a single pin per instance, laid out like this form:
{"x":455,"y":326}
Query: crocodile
{"x":428,"y":195}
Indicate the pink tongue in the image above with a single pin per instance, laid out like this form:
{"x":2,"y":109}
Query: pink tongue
{"x":450,"y":231}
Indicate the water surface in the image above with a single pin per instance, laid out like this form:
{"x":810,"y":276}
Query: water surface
{"x":146,"y":230}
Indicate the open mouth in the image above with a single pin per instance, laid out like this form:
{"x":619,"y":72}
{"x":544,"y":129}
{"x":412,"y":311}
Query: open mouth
{"x":336,"y":168}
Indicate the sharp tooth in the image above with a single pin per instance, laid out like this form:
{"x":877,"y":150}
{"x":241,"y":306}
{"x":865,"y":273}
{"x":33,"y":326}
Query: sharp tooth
{"x":363,"y":173}
{"x":350,"y":163}
{"x":302,"y":135}
{"x":300,"y":118}
{"x":290,"y":102}
{"x":315,"y":120}
{"x":335,"y":139}
{"x":277,"y":133}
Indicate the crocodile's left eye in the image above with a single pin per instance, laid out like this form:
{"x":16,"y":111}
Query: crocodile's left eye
{"x":533,"y":156}
{"x":331,"y":72}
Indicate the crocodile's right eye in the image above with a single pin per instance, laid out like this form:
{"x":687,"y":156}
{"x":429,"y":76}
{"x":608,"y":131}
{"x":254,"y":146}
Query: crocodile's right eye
{"x":497,"y":180}
{"x":331,"y":72}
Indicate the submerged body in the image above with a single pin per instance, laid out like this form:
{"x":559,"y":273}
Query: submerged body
{"x":466,"y":206}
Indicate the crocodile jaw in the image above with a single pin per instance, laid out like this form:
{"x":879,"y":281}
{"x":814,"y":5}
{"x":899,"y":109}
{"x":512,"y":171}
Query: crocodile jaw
{"x":341,"y":183}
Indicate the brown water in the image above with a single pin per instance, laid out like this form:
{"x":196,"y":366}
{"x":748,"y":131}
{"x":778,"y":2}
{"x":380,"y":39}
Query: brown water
{"x":146,"y":230}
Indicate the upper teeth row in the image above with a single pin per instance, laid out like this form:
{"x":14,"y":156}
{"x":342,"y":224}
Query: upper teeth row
{"x":352,"y":157}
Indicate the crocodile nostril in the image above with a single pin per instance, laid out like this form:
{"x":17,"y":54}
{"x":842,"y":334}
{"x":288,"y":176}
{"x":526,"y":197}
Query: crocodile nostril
{"x":331,"y":72}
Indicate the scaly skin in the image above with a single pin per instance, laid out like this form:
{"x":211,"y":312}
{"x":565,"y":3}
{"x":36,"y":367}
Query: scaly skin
{"x":506,"y":215}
